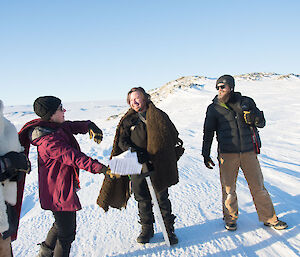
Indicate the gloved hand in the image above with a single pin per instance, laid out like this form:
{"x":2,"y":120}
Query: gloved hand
{"x":249,"y":117}
{"x":6,"y":171}
{"x":103,"y":170}
{"x":107,"y":172}
{"x":208,"y":162}
{"x":12,"y":163}
{"x":142,"y":154}
{"x":111,"y":176}
{"x":95,"y":133}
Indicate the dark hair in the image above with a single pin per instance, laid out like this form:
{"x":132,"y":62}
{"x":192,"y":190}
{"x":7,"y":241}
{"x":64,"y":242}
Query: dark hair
{"x":140,"y":89}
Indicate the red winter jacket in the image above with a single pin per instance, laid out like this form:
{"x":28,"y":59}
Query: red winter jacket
{"x":59,"y":161}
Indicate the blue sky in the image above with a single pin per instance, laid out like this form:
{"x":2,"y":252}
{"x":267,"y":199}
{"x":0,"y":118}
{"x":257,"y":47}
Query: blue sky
{"x":97,"y":50}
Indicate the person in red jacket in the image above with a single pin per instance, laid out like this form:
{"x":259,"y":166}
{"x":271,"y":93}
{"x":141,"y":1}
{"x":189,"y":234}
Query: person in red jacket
{"x":59,"y":161}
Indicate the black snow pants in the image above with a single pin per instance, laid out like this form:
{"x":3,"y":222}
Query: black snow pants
{"x":62,"y":233}
{"x":143,"y":197}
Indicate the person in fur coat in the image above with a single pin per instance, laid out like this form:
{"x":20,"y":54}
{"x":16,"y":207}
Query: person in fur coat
{"x":12,"y":162}
{"x":59,"y":162}
{"x":147,"y":130}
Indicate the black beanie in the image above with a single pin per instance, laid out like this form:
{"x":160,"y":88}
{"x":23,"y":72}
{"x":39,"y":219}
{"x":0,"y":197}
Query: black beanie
{"x":46,"y":106}
{"x":227,"y":80}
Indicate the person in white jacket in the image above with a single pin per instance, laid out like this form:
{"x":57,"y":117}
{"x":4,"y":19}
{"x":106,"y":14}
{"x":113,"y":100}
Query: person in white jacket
{"x":12,"y":161}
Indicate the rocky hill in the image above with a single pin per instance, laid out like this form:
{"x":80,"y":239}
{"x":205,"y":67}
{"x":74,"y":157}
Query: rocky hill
{"x":162,"y":92}
{"x":265,"y":75}
{"x":186,"y":82}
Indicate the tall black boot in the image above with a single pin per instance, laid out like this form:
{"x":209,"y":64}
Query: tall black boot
{"x":170,"y":230}
{"x":45,"y":251}
{"x":172,"y":236}
{"x":146,"y":234}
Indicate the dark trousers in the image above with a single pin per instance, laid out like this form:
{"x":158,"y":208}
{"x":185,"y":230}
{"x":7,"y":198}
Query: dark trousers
{"x":143,"y":197}
{"x":62,"y":233}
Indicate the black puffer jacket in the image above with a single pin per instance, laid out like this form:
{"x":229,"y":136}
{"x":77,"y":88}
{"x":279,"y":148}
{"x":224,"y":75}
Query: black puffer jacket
{"x":233,"y":134}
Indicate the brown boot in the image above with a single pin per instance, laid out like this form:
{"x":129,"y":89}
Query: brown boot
{"x":45,"y":251}
{"x":278,"y":225}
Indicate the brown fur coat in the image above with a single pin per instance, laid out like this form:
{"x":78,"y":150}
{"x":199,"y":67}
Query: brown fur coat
{"x":162,"y":137}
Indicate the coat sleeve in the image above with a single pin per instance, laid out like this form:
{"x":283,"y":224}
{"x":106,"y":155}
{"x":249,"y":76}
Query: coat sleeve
{"x":249,"y":104}
{"x":77,"y":127}
{"x":124,"y":137}
{"x":56,"y":149}
{"x":173,"y":129}
{"x":209,"y":128}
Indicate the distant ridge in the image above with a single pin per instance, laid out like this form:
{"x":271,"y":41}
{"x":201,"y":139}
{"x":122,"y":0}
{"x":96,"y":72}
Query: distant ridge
{"x":268,"y":75}
{"x":199,"y":82}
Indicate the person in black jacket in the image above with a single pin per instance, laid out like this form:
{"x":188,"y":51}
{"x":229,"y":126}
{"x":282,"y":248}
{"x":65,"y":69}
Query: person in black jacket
{"x":235,"y":119}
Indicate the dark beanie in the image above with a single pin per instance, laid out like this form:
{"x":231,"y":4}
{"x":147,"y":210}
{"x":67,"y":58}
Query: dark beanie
{"x":227,"y":80}
{"x":46,"y":106}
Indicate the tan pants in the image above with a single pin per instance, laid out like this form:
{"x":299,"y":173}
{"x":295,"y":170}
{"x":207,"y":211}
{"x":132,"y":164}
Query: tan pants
{"x":229,"y":164}
{"x":5,"y":248}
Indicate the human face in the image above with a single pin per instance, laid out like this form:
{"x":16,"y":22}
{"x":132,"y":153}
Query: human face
{"x":223,"y":90}
{"x":59,"y":115}
{"x":137,"y":101}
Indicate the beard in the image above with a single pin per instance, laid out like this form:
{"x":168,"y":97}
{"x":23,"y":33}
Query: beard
{"x":224,"y":97}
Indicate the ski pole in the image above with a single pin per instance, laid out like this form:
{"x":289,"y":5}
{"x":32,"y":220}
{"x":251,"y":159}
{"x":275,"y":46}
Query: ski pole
{"x":159,"y":217}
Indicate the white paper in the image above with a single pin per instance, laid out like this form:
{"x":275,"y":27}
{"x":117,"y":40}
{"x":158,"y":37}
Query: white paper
{"x":125,"y":164}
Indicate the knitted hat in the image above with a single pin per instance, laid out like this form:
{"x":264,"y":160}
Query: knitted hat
{"x":227,"y":80}
{"x":46,"y":106}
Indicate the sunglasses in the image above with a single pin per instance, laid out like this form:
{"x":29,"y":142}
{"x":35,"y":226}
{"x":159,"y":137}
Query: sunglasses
{"x":60,"y":107}
{"x":222,"y":87}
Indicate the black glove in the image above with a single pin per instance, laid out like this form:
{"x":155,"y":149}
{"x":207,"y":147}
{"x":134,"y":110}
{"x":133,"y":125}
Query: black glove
{"x":249,"y":117}
{"x":6,"y":171}
{"x":142,"y":154}
{"x":208,"y":162}
{"x":12,"y":163}
{"x":95,"y":133}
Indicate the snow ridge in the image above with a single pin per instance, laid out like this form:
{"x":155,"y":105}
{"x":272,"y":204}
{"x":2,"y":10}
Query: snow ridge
{"x":199,"y":82}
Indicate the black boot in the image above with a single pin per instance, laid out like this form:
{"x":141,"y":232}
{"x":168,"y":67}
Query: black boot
{"x":170,"y":230}
{"x":45,"y":251}
{"x":172,"y":237}
{"x":146,"y":234}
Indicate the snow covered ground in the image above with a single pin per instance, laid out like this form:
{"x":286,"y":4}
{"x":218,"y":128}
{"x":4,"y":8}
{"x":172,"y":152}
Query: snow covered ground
{"x":196,"y":199}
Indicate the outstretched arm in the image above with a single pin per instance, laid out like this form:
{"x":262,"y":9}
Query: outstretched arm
{"x":57,"y":149}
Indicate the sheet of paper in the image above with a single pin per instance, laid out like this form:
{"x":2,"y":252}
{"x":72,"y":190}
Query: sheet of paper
{"x":125,"y":164}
